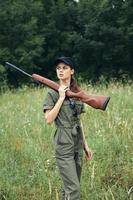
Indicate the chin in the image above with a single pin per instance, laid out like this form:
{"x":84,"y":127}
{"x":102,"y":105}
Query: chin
{"x":62,"y":78}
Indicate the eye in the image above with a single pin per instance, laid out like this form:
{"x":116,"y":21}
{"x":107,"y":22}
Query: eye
{"x":58,"y":67}
{"x":65,"y":67}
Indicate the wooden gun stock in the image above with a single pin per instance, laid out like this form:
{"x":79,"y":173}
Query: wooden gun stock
{"x":97,"y":102}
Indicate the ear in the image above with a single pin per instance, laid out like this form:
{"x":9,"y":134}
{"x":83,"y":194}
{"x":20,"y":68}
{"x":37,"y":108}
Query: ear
{"x":72,"y":71}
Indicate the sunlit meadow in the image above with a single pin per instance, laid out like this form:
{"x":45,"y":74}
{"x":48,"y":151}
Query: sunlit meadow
{"x":27,"y":165}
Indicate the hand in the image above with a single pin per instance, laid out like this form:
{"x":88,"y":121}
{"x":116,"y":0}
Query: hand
{"x":88,"y":153}
{"x":62,"y":91}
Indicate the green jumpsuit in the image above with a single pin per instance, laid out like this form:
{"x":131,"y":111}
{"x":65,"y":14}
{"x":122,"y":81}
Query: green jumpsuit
{"x":68,"y":143}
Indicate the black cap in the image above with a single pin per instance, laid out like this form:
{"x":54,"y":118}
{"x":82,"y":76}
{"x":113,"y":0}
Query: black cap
{"x":66,"y":60}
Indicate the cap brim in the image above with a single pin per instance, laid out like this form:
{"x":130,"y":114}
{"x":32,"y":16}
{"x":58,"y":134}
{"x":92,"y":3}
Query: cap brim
{"x":61,"y":60}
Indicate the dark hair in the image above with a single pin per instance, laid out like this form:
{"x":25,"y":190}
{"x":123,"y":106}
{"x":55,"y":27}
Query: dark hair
{"x":74,"y":87}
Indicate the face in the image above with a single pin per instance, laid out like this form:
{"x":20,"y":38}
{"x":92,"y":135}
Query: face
{"x":64,"y":71}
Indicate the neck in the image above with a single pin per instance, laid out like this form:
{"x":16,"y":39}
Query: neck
{"x":65,"y":82}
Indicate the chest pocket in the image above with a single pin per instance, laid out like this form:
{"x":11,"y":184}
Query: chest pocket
{"x":65,"y":109}
{"x":72,"y":107}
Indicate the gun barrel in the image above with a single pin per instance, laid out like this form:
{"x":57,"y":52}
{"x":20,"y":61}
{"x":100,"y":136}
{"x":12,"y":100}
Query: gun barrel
{"x":11,"y":65}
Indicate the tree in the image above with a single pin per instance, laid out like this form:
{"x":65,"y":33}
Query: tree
{"x":97,"y":34}
{"x":20,"y":40}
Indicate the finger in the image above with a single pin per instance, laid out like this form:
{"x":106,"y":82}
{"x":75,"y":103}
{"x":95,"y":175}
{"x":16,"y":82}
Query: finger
{"x":67,"y":88}
{"x":63,"y":88}
{"x":89,"y":156}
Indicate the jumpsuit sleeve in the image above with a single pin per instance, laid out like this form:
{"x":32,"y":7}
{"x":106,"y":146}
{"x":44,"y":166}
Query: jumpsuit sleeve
{"x":48,"y":101}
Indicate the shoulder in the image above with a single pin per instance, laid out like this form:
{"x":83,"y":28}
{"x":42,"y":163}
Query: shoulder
{"x":53,"y":94}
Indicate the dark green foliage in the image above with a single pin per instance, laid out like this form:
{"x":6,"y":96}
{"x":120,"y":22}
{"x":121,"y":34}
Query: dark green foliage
{"x":20,"y":39}
{"x":98,"y":34}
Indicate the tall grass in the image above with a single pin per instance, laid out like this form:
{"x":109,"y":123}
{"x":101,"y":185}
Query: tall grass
{"x":27,"y":166}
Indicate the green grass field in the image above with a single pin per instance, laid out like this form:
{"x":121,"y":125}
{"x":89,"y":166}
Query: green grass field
{"x":27,"y":165}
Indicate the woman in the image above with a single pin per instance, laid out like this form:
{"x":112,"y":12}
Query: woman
{"x":69,"y":139}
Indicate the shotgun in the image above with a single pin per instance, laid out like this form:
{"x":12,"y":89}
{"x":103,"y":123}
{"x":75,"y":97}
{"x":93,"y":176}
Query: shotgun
{"x":97,"y":102}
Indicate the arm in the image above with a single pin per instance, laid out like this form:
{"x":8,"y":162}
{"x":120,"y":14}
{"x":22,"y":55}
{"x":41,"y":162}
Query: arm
{"x":86,"y":148}
{"x":50,"y":115}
